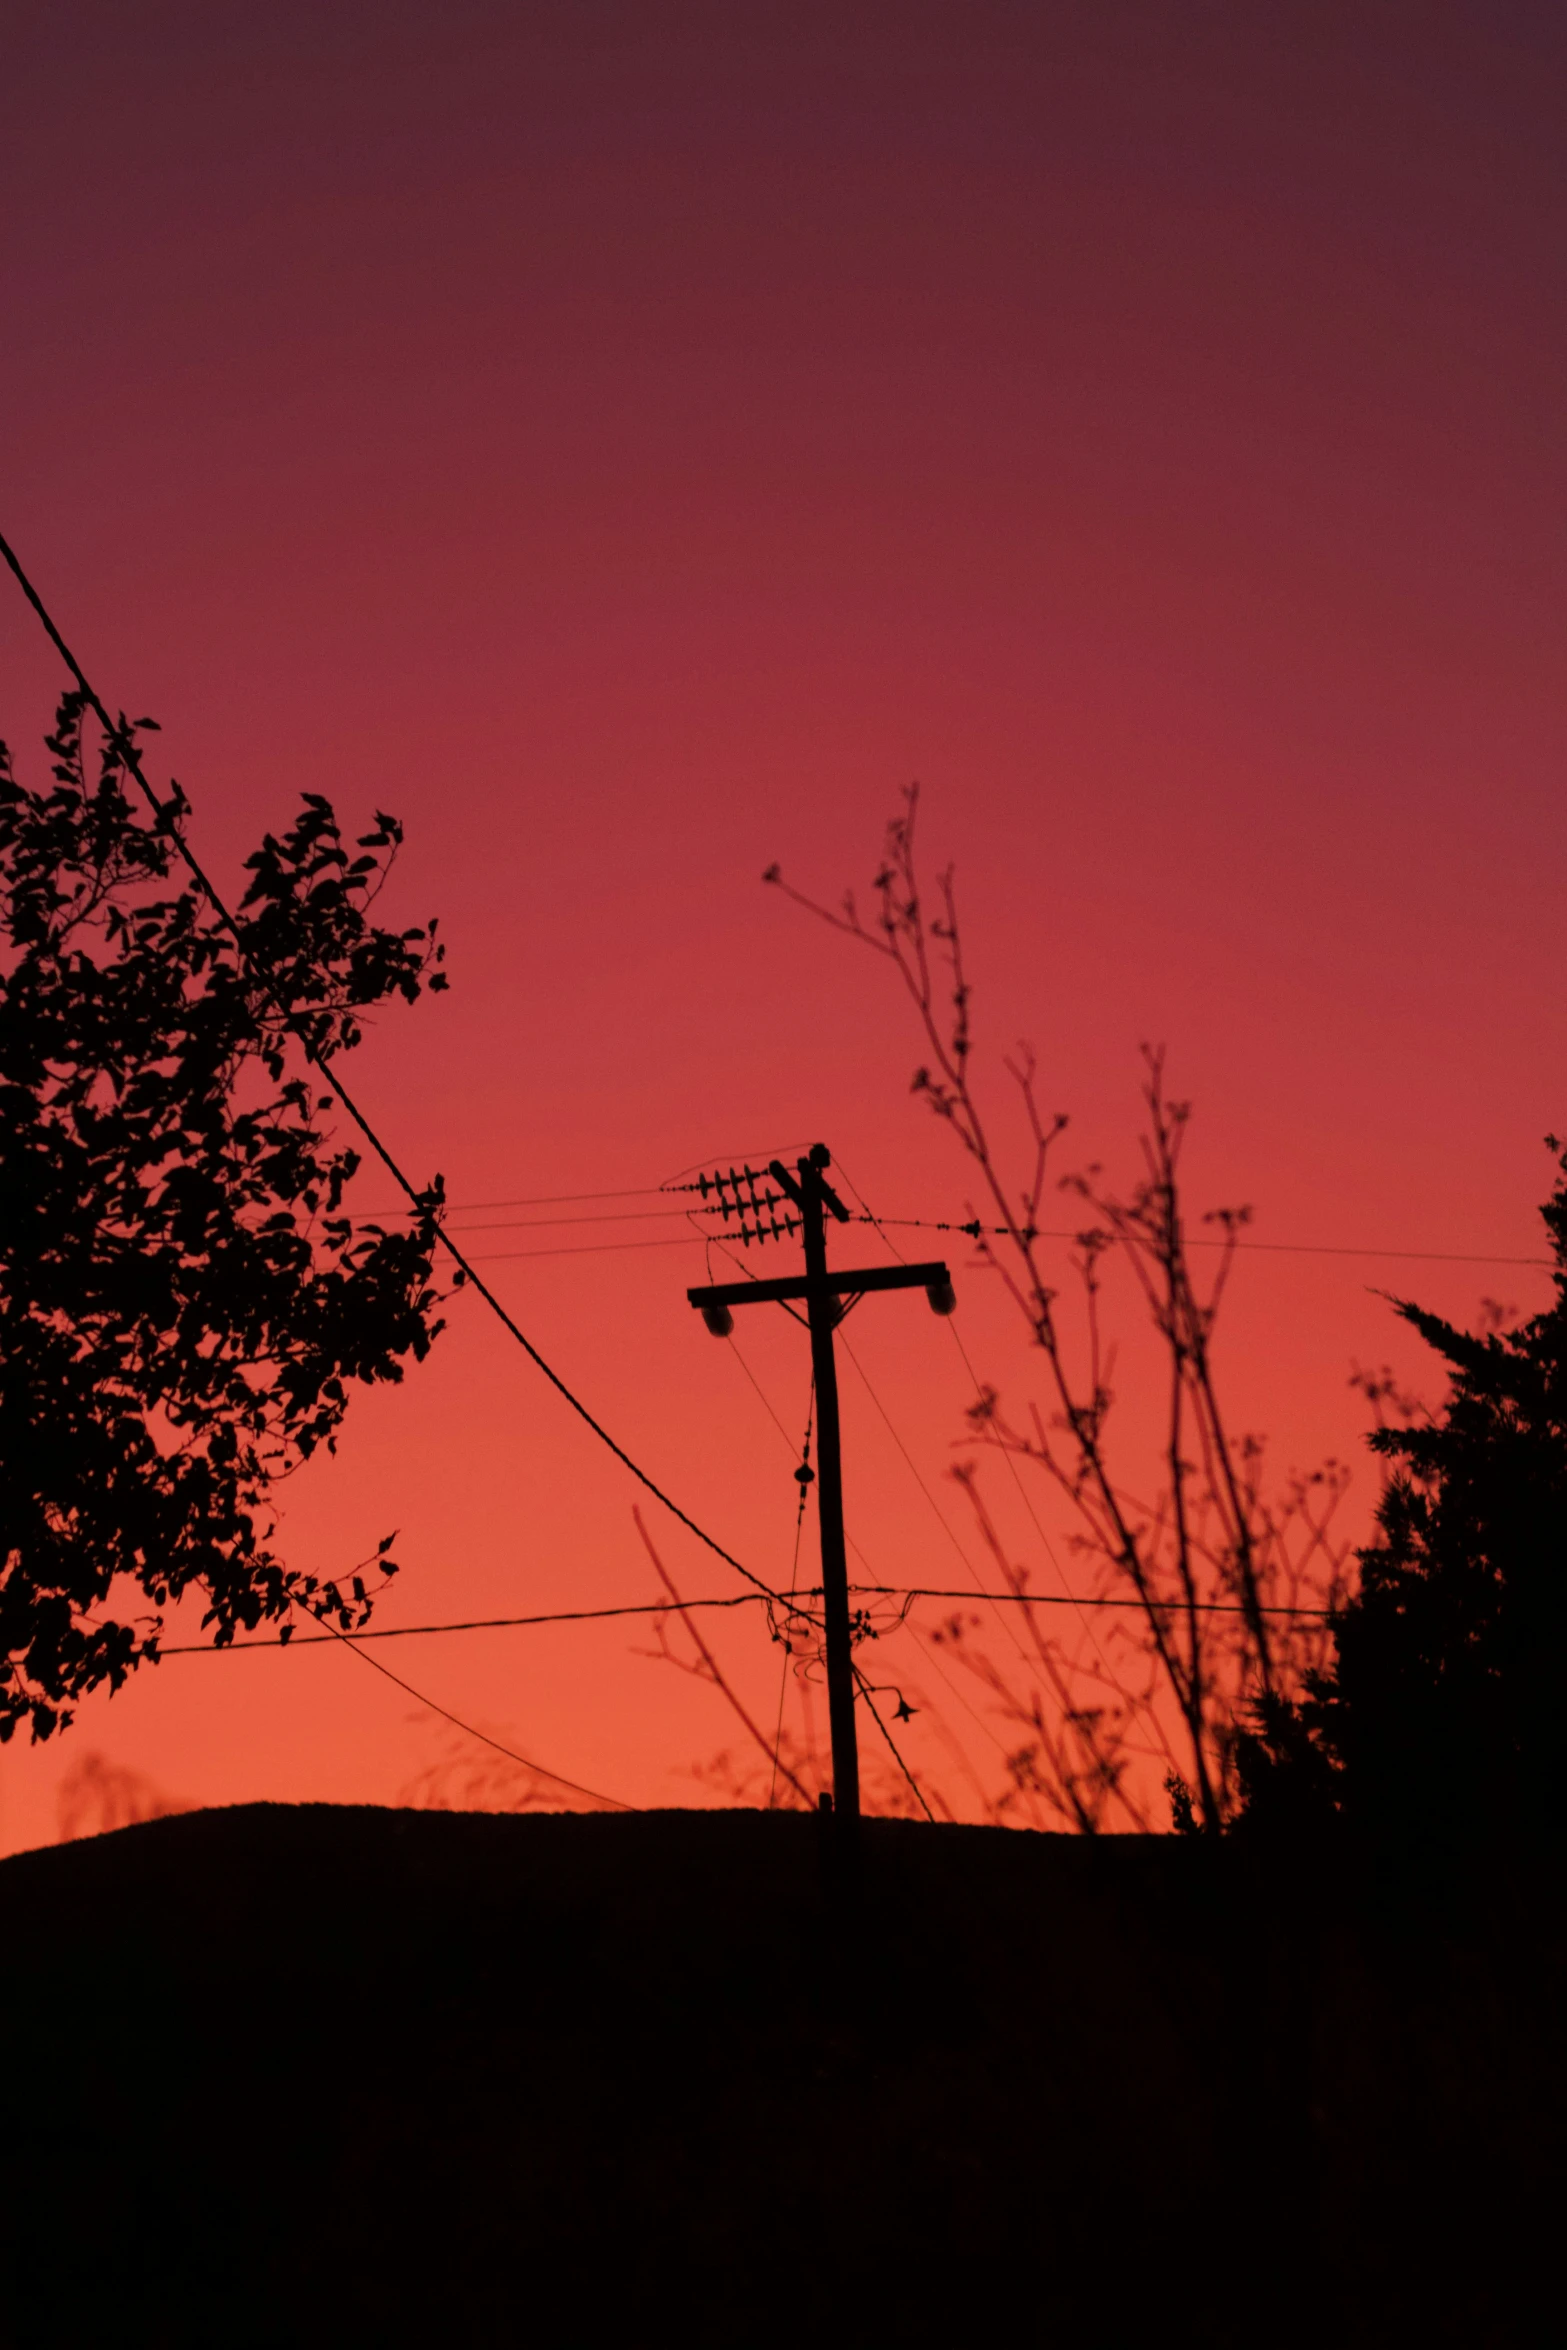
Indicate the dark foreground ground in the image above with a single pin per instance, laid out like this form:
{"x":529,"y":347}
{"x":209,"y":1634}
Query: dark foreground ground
{"x":323,"y":2075}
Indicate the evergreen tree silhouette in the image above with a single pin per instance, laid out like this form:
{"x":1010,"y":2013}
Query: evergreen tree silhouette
{"x":1440,"y":1723}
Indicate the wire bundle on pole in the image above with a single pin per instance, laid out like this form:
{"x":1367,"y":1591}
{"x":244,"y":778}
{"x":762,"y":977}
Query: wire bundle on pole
{"x":735,"y":1194}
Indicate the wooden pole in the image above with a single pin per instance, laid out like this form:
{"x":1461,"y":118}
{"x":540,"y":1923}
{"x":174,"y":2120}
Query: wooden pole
{"x":822,"y":1311}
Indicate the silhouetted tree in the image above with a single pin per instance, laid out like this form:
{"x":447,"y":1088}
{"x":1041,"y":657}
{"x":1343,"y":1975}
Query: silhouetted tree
{"x":1228,"y":1571}
{"x":183,"y":1303}
{"x":1439,"y":1720}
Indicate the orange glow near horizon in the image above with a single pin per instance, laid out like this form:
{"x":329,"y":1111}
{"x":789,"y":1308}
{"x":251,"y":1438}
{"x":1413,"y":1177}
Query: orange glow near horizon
{"x":630,"y":444}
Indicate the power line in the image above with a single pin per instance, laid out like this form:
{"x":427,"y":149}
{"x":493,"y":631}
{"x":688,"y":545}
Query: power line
{"x":131,"y":754}
{"x":552,"y":1199}
{"x":1045,"y":1540}
{"x":937,"y":1511}
{"x":1286,"y":1248}
{"x":971,"y":1229}
{"x":468,"y":1729}
{"x":1203,"y":1607}
{"x":594,"y":1615}
{"x":762,"y":1397}
{"x":776,"y":1150}
{"x":589,"y":1248}
{"x":581,"y":1615}
{"x":919,"y":1792}
{"x":551,"y":1223}
{"x":1315,"y":1248}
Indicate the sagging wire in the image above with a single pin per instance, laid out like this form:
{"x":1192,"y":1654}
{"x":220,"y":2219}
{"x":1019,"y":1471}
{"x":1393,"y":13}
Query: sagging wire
{"x":420,"y":1201}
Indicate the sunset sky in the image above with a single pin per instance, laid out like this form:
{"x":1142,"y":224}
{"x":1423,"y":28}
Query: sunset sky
{"x":633,"y":441}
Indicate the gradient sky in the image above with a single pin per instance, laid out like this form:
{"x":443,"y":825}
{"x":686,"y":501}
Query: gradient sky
{"x":633,"y":441}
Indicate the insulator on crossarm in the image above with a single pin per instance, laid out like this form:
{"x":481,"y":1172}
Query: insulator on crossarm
{"x":719,"y":1320}
{"x":942,"y":1297}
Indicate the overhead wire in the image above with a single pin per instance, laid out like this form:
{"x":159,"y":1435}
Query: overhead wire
{"x":980,"y":1593}
{"x":130,"y":752}
{"x":469,"y":1730}
{"x":593,"y":1615}
{"x":775,"y":1150}
{"x":554,"y":1223}
{"x":974,"y":1230}
{"x":1089,"y":1628}
{"x":919,"y":1792}
{"x":971,"y":1229}
{"x":940,"y":1515}
{"x":574,"y":1615}
{"x":590,"y":1248}
{"x":1175,"y":1607}
{"x":1069,"y":1598}
{"x":549,"y":1199}
{"x":956,"y":1337}
{"x":762,"y":1396}
{"x":937,"y":1511}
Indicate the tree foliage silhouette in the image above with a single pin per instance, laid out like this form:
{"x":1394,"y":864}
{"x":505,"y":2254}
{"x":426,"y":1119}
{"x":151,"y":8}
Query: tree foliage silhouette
{"x":1438,"y":1722}
{"x":183,"y":1302}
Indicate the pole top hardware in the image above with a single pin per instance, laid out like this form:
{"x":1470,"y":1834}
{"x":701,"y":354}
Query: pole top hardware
{"x":810,"y":1173}
{"x":735,"y":1193}
{"x":826,"y":1295}
{"x":795,"y":1289}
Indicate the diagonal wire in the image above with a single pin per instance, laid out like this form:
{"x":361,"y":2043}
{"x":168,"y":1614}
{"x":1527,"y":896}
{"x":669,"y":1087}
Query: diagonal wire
{"x":468,"y":1729}
{"x":575,"y":1615}
{"x":940,"y":1515}
{"x":919,"y":1792}
{"x":130,"y":752}
{"x":713,"y":1241}
{"x":1023,"y":1492}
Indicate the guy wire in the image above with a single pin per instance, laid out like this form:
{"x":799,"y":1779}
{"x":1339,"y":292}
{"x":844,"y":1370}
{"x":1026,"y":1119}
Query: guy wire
{"x":806,"y":1479}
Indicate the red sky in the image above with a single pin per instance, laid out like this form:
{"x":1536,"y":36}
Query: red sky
{"x":631,"y":442}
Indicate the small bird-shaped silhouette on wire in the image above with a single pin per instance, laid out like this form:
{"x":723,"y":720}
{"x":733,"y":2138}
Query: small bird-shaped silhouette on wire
{"x":904,"y":1712}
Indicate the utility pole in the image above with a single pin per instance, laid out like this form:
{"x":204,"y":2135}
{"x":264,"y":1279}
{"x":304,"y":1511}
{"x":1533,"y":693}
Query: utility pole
{"x":827,"y":1297}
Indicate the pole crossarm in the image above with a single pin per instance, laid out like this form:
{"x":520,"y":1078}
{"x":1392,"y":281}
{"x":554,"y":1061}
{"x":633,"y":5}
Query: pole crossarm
{"x":746,"y":1293}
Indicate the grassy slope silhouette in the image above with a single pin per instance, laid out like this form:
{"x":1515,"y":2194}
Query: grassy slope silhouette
{"x":307,"y":2074}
